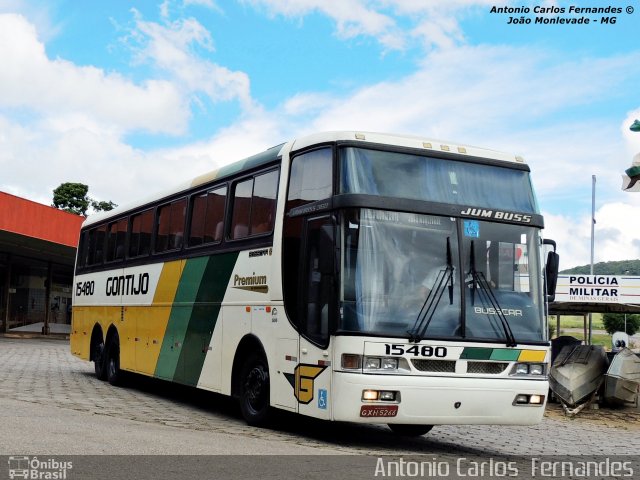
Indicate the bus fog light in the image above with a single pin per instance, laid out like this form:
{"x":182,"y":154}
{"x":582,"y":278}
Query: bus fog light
{"x":536,"y":399}
{"x":370,"y":395}
{"x":388,"y":396}
{"x":372,"y":363}
{"x":389,"y":363}
{"x":521,"y":400}
{"x":351,"y":361}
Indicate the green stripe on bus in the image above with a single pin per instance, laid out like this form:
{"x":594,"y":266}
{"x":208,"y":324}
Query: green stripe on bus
{"x":476,"y":353}
{"x":472,"y":353}
{"x":204,"y":317}
{"x":181,"y":311}
{"x":505,"y":354}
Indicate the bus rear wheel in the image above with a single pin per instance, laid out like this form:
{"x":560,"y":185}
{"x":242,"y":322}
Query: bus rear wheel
{"x":114,"y":374}
{"x":254,"y":391}
{"x":99,"y":362}
{"x":410,"y":430}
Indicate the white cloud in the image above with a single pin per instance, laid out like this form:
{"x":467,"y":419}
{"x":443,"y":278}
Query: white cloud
{"x":499,"y":97}
{"x":30,"y":80}
{"x":168,"y":46}
{"x":353,"y":18}
{"x":434,"y":23}
{"x":616,"y":236}
{"x":204,"y":3}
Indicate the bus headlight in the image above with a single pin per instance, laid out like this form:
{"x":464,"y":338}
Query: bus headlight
{"x":372,"y":363}
{"x":534,"y":369}
{"x":386,"y":365}
{"x":389,"y":363}
{"x":353,"y":362}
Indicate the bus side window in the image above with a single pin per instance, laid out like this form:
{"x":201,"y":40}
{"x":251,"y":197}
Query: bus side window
{"x":263,"y":202}
{"x":170,"y":226}
{"x":254,"y":205}
{"x":116,"y":234}
{"x":140,"y":236}
{"x":121,"y":238}
{"x":207,"y":217}
{"x":241,"y":209}
{"x":95,"y":253}
{"x":83,"y":249}
{"x":311,"y":177}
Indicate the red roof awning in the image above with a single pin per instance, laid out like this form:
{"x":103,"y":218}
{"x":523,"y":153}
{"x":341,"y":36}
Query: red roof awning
{"x":31,"y":219}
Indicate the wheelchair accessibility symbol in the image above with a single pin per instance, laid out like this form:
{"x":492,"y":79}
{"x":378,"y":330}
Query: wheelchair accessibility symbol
{"x":322,"y":399}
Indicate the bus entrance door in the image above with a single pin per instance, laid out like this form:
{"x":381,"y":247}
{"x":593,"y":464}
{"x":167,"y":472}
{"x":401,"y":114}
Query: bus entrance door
{"x":313,"y":381}
{"x":313,"y":373}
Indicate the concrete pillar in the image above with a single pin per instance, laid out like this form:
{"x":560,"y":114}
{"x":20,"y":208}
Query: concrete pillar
{"x":7,"y":295}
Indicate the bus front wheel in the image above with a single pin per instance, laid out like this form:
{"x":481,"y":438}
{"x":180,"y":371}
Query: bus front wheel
{"x":254,"y":391}
{"x":410,"y":430}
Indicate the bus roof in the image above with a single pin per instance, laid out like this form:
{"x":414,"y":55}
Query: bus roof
{"x":271,"y":154}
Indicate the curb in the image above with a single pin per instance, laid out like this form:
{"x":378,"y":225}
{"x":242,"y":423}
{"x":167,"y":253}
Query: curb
{"x":26,"y":335}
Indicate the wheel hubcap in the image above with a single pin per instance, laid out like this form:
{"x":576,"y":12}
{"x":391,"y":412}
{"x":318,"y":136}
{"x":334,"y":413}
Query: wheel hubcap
{"x":255,"y":387}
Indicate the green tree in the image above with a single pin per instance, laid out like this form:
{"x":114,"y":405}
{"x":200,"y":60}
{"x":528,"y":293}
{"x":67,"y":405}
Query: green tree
{"x":614,"y":322}
{"x":73,"y":198}
{"x":102,"y":206}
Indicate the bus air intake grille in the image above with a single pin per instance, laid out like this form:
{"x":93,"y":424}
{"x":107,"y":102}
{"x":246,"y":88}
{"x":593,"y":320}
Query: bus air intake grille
{"x":487,"y":368}
{"x":438,"y":366}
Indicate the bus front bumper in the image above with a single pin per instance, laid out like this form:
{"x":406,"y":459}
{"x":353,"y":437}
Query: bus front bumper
{"x":438,"y":400}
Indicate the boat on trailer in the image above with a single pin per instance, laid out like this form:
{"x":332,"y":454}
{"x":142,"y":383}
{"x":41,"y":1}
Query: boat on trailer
{"x":576,"y":375}
{"x":622,"y":380}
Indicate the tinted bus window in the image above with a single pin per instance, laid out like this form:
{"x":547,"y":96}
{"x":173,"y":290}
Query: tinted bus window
{"x":311,"y":177}
{"x":207,"y":217}
{"x":170,"y":226}
{"x":96,"y":245}
{"x":83,"y":249}
{"x":241,"y":209}
{"x":116,"y":236}
{"x":140,"y":239}
{"x":254,"y":205}
{"x":263,"y":203}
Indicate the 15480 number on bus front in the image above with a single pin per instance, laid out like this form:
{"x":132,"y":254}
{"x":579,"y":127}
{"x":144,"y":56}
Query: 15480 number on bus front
{"x":415,"y":350}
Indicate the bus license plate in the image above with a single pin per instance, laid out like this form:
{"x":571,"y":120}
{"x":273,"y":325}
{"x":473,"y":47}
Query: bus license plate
{"x":378,"y":410}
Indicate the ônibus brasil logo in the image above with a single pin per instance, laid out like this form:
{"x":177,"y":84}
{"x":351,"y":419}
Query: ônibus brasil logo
{"x":36,"y":469}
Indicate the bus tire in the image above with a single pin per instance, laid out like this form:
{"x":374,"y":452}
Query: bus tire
{"x":99,"y":362}
{"x":114,"y":374}
{"x":255,"y":391}
{"x":410,"y":430}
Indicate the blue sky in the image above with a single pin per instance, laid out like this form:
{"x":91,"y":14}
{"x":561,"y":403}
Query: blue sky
{"x":133,"y":97}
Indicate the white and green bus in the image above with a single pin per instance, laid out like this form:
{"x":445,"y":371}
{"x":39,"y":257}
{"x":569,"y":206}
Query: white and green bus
{"x":347,"y":276}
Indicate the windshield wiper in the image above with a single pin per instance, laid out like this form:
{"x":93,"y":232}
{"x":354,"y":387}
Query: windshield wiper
{"x":480,"y":280}
{"x":444,"y":277}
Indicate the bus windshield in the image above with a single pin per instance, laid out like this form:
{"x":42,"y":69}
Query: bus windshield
{"x":426,"y":276}
{"x":402,"y":175}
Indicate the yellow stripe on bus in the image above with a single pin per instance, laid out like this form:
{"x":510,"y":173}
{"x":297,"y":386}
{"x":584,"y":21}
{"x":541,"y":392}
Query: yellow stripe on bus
{"x":152,"y":322}
{"x":532,"y":356}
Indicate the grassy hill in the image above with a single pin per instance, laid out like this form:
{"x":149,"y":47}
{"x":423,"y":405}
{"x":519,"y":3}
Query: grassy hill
{"x":622,"y":267}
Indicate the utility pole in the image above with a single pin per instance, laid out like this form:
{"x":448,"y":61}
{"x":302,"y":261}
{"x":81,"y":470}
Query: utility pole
{"x":593,"y":224}
{"x":630,"y":179}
